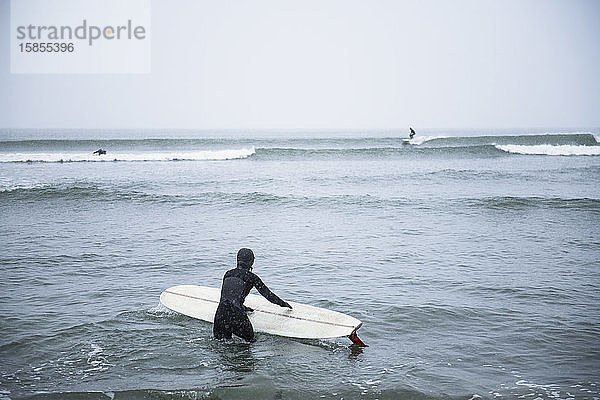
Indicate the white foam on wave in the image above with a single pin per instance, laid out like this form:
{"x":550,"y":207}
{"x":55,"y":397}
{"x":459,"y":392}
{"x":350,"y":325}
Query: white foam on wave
{"x":10,"y":186}
{"x":417,"y":140}
{"x":551,"y":150}
{"x":160,"y":309}
{"x":96,"y":359}
{"x":227,"y":154}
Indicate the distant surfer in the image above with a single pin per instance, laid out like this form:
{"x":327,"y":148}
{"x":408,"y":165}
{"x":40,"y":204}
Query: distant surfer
{"x":99,"y":152}
{"x":231,"y":314}
{"x":406,"y":141}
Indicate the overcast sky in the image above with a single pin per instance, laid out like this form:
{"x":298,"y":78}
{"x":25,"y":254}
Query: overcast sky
{"x":311,"y":64}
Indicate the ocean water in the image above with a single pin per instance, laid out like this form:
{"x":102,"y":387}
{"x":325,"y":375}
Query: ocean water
{"x":473,"y":262}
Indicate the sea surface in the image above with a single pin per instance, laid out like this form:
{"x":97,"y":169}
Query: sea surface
{"x":473,"y":261}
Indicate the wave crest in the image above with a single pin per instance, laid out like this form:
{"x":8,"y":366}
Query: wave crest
{"x":551,"y":150}
{"x":202,"y":155}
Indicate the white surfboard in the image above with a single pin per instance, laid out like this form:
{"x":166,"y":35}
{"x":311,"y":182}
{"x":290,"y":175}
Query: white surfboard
{"x":302,"y":321}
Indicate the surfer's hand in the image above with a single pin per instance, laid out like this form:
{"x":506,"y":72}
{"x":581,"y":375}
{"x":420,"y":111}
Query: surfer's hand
{"x":286,"y":304}
{"x":248,"y":309}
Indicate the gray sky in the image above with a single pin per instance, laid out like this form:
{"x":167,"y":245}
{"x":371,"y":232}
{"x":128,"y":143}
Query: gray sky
{"x":311,"y":64}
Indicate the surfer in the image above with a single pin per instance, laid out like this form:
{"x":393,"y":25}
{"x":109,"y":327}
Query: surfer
{"x":99,"y":152}
{"x":231,"y":314}
{"x":412,"y":133}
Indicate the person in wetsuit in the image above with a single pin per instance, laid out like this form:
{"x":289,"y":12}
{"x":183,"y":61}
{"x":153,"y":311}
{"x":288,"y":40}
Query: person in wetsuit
{"x":412,"y":133}
{"x":231,"y":317}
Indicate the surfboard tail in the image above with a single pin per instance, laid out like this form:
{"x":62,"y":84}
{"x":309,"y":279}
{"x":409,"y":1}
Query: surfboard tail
{"x":355,"y":339}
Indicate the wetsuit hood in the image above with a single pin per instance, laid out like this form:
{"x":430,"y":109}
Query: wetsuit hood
{"x":245,"y":258}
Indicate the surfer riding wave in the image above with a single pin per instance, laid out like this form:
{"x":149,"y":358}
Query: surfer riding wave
{"x":412,"y":133}
{"x":231,"y":317}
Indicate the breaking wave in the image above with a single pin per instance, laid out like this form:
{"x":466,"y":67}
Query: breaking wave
{"x":418,"y":140}
{"x":52,"y":151}
{"x":227,"y":154}
{"x":551,"y":150}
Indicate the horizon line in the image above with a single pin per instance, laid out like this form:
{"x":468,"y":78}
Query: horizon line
{"x":295,"y":129}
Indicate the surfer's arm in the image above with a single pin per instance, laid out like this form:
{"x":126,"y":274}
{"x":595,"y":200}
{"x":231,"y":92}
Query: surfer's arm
{"x":267,"y":294}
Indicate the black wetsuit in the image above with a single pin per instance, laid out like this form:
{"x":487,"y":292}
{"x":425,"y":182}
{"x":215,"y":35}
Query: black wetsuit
{"x":231,"y":313}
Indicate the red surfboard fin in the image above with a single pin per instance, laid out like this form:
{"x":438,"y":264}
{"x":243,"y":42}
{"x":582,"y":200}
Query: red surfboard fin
{"x":355,"y":339}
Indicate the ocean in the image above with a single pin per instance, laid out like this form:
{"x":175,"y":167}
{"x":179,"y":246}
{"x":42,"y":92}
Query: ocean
{"x":472,"y":259}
